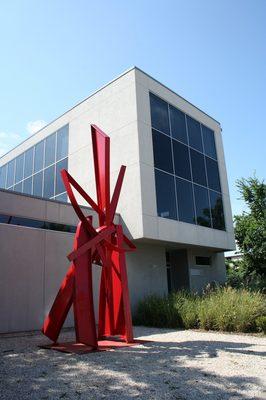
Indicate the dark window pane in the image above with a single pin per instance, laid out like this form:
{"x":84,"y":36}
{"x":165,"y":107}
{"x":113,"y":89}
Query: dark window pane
{"x":59,"y":185}
{"x":28,"y":162}
{"x":3,"y":176}
{"x":178,"y":124}
{"x":49,"y":150}
{"x":217,"y":210}
{"x":48,"y":188}
{"x":19,"y":168}
{"x":203,"y":260}
{"x":185,"y":201}
{"x":36,"y":223}
{"x":202,"y":206}
{"x":10,"y":173}
{"x":213,"y":174}
{"x":165,"y":195}
{"x":60,"y":227}
{"x":18,"y":187}
{"x":62,"y":197}
{"x":162,"y":151}
{"x":198,"y":167}
{"x":38,"y":156}
{"x":159,"y":114}
{"x":209,"y":142}
{"x":32,"y":223}
{"x":27,"y":185}
{"x":37,"y":184}
{"x":181,"y":160}
{"x":194,"y":133}
{"x":62,"y":143}
{"x":5,"y":219}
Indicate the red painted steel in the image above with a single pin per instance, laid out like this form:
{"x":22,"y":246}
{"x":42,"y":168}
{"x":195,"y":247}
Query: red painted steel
{"x":105,"y":246}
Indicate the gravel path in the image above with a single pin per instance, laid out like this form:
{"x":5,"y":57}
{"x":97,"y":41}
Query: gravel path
{"x":176,"y":365}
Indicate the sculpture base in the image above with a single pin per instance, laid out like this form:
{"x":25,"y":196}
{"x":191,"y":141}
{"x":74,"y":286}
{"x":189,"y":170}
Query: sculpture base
{"x":80,"y":348}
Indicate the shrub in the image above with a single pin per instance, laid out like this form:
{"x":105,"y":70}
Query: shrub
{"x":157,"y":311}
{"x":231,"y":310}
{"x":261,"y":323}
{"x":224,"y":309}
{"x":187,"y":306}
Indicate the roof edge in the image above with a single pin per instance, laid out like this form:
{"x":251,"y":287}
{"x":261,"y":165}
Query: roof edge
{"x":166,"y":87}
{"x":101,"y":88}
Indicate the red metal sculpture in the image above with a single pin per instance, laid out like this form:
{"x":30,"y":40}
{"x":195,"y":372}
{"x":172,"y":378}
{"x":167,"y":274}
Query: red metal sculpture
{"x":103,"y":246}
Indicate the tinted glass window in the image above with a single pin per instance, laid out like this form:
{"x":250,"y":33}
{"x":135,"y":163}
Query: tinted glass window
{"x":213,"y":174}
{"x":62,"y":143}
{"x":165,"y":195}
{"x":27,"y":185}
{"x":203,"y":260}
{"x":35,"y":223}
{"x":59,"y":185}
{"x":4,"y":219}
{"x":19,"y":168}
{"x":181,"y":160}
{"x":198,"y":167}
{"x":49,"y":150}
{"x":202,"y":206}
{"x":28,"y":163}
{"x":185,"y":201}
{"x":194,"y":133}
{"x":217,"y":210}
{"x":159,"y":114}
{"x":178,"y":124}
{"x":32,"y":223}
{"x":61,"y":197}
{"x":38,"y":156}
{"x":10,"y":173}
{"x":18,"y":187}
{"x":48,"y":187}
{"x":208,"y":141}
{"x":3,"y":176}
{"x":37,"y":184}
{"x":162,"y":151}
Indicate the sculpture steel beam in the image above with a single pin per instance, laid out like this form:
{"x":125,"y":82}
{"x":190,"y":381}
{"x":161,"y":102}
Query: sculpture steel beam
{"x":105,"y":246}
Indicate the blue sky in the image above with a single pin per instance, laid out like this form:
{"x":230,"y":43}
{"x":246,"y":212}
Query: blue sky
{"x":213,"y":53}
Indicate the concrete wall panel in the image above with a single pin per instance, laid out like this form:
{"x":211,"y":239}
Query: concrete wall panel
{"x":21,"y":282}
{"x":146,"y":272}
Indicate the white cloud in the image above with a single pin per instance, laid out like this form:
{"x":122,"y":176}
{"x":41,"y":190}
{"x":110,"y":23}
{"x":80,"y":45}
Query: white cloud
{"x":35,"y":126}
{"x":8,"y":140}
{"x":12,"y":136}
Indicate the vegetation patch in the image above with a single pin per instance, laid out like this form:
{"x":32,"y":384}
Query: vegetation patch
{"x":223,"y":309}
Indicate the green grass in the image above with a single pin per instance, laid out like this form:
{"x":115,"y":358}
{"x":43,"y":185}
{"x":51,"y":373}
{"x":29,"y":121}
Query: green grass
{"x":223,"y":309}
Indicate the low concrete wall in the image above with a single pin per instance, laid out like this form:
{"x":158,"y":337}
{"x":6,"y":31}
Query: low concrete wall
{"x":33,"y":264}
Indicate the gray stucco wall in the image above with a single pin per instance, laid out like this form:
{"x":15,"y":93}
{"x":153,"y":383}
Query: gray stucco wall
{"x":121,"y":109}
{"x":33,"y":261}
{"x":33,"y":264}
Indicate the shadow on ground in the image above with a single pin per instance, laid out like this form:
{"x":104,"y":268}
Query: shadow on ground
{"x":155,"y":370}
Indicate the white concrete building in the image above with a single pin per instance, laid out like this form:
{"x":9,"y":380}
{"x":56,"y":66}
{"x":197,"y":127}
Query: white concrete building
{"x":174,"y":202}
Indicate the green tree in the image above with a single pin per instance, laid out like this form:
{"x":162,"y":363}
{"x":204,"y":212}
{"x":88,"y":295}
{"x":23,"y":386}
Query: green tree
{"x":250,"y":227}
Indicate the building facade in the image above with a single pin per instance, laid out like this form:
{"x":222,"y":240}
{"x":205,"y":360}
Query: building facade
{"x":174,"y":202}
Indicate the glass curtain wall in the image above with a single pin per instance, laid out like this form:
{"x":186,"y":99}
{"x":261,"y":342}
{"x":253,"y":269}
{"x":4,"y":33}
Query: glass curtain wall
{"x":37,"y":170}
{"x":187,"y":177}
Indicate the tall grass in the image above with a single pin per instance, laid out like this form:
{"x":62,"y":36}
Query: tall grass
{"x":223,"y":309}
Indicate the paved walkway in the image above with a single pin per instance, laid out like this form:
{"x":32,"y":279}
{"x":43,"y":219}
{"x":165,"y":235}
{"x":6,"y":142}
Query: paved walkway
{"x":176,"y":365}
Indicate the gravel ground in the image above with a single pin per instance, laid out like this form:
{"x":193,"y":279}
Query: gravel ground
{"x":176,"y":365}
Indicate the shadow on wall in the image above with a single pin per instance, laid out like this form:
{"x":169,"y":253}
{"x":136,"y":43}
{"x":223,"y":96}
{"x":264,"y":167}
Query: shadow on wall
{"x":153,"y":371}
